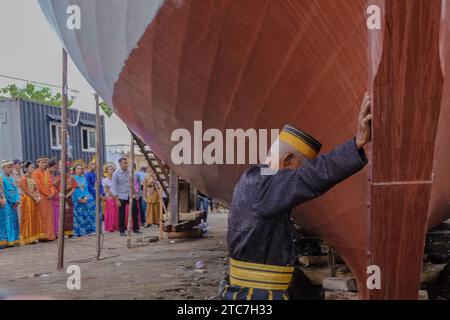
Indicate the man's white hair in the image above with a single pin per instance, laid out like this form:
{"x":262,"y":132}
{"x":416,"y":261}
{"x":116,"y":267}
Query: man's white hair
{"x":278,"y":150}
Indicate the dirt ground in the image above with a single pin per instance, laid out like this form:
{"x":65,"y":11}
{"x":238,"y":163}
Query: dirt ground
{"x":161,"y":270}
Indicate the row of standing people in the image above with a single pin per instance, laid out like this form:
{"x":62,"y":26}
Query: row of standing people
{"x":34,"y":197}
{"x":26,"y":203}
{"x":146,"y":209}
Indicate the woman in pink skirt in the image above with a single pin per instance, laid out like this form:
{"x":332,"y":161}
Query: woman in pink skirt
{"x":111,"y":213}
{"x":53,"y":169}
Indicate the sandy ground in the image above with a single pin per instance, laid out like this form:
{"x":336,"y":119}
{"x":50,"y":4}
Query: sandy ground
{"x":159,"y":270}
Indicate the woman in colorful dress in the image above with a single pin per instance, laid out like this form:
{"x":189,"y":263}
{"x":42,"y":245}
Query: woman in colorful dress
{"x":53,"y":169}
{"x":83,"y":203}
{"x":2,"y":216}
{"x":111,"y":210}
{"x":71,"y":185}
{"x":91,"y":177}
{"x":44,"y":182}
{"x":9,"y":211}
{"x":30,"y":224}
{"x":151,"y":196}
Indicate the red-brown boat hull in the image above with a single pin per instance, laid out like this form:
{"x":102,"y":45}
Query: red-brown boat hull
{"x":264,"y":63}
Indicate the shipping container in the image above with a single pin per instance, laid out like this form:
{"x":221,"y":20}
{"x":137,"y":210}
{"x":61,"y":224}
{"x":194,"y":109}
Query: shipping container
{"x":29,"y":130}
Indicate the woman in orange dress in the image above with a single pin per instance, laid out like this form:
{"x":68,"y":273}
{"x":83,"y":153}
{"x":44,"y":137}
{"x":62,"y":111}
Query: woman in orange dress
{"x":30,"y":224}
{"x":43,"y":178}
{"x":151,"y":196}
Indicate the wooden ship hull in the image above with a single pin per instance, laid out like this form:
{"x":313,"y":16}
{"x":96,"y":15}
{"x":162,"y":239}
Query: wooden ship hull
{"x":260,"y":64}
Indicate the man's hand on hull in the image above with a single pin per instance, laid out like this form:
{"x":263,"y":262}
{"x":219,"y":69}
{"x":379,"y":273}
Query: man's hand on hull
{"x":364,"y":133}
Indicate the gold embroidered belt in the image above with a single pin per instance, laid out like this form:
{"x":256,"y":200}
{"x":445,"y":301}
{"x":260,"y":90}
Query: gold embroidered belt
{"x":259,"y":276}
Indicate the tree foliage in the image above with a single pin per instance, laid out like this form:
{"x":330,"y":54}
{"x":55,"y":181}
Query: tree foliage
{"x":106,"y":109}
{"x":42,"y":95}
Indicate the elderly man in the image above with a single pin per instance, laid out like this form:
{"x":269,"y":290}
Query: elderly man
{"x":8,"y":213}
{"x":260,"y":230}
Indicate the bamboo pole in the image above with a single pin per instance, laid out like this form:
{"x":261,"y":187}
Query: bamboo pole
{"x":62,"y":195}
{"x":98,"y":176}
{"x":173,"y":200}
{"x":161,"y":222}
{"x":162,"y":207}
{"x":160,"y":193}
{"x":131,"y":199}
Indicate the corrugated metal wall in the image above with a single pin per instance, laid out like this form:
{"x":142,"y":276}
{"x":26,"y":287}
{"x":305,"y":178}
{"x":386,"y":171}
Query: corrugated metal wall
{"x":35,"y":122}
{"x":10,"y":133}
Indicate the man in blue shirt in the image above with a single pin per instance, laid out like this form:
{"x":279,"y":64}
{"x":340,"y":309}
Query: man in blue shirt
{"x":121,"y":190}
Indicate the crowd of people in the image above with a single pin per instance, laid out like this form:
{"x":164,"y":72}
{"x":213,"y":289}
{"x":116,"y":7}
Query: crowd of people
{"x":30,"y":200}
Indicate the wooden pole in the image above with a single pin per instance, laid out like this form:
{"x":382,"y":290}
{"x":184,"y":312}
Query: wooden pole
{"x":62,"y":195}
{"x":162,"y":207}
{"x":173,"y":201}
{"x":192,"y":198}
{"x":130,"y":204}
{"x":332,"y":262}
{"x":98,"y":176}
{"x":161,"y":220}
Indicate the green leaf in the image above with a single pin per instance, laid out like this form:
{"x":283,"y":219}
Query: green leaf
{"x":106,"y":109}
{"x":30,"y":92}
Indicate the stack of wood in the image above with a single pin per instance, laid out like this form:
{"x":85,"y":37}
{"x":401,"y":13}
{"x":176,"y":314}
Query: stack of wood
{"x":437,"y":245}
{"x":182,"y":219}
{"x":334,"y":280}
{"x":437,"y":262}
{"x":342,"y":285}
{"x":187,"y":226}
{"x":317,"y":270}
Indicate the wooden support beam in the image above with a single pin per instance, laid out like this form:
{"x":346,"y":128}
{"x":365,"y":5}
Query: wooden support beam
{"x":340,"y":295}
{"x":62,"y":195}
{"x":183,"y":196}
{"x":345,"y":295}
{"x":173,"y":199}
{"x":192,"y":198}
{"x":98,"y":176}
{"x":317,"y":275}
{"x":131,"y":199}
{"x":339,"y":284}
{"x":430,"y":272}
{"x":193,"y":233}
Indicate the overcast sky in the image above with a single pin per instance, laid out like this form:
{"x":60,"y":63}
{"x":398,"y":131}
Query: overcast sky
{"x":30,"y":49}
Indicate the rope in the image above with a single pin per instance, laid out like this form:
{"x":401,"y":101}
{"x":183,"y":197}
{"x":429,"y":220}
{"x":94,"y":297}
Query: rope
{"x":77,"y":121}
{"x":87,"y":260}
